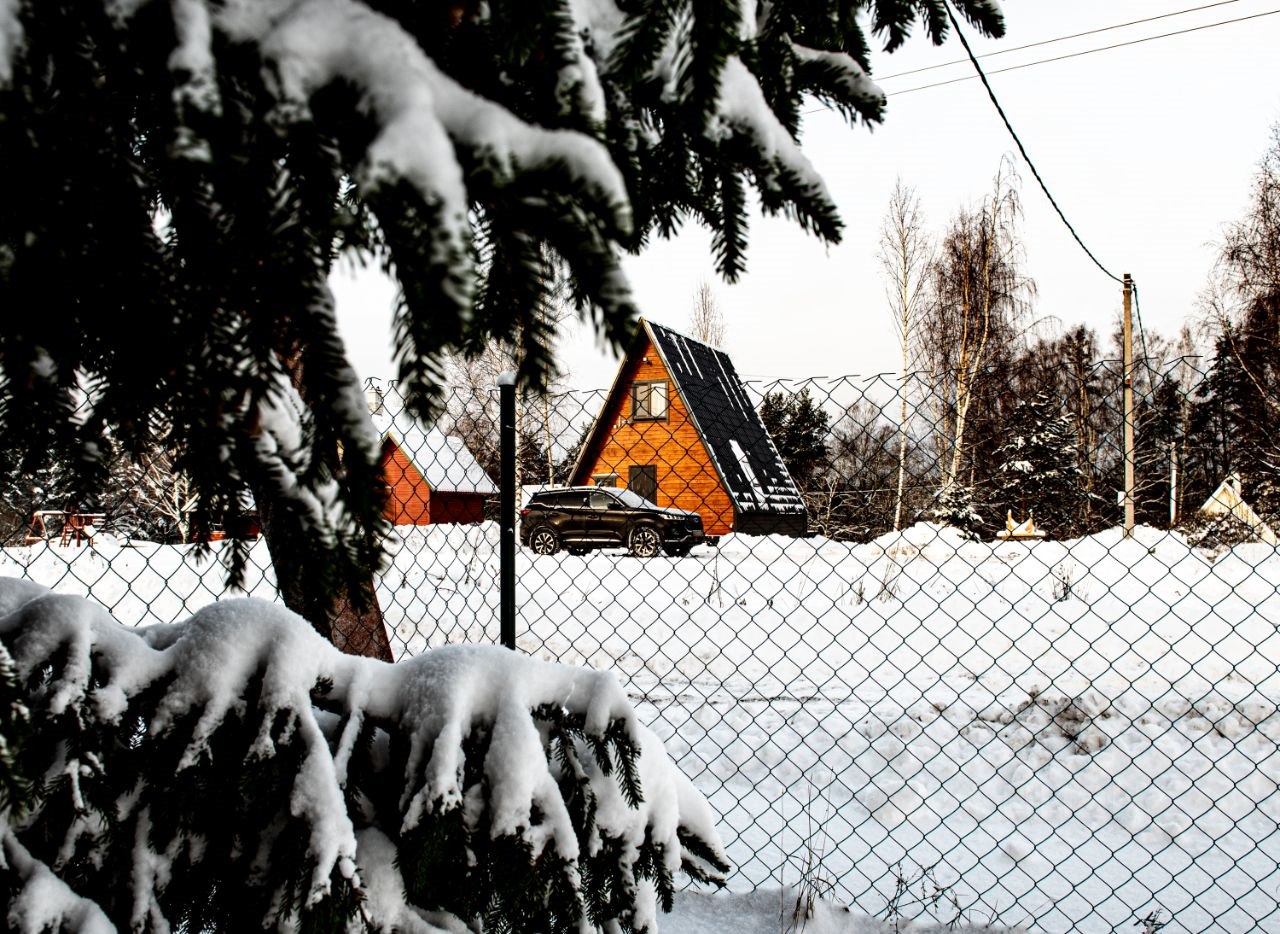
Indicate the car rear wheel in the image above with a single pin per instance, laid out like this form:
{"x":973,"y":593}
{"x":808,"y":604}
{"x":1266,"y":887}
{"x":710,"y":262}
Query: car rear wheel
{"x":645,"y":542}
{"x":544,"y":541}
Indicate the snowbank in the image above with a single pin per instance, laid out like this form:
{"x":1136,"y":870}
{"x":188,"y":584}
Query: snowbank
{"x":238,"y":762}
{"x":1078,"y":732}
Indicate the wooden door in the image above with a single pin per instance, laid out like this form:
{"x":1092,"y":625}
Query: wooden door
{"x":643,"y":481}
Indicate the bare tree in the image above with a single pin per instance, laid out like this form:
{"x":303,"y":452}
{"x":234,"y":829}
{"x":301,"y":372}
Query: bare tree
{"x":905,"y":254}
{"x":472,"y":407}
{"x":978,"y":302}
{"x":166,"y":491}
{"x":1187,"y":376}
{"x":1242,"y":301}
{"x":706,"y":321}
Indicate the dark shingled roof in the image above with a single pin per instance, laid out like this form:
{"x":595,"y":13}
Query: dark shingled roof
{"x":749,"y":465}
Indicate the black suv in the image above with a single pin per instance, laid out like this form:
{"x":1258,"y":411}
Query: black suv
{"x":579,"y":518}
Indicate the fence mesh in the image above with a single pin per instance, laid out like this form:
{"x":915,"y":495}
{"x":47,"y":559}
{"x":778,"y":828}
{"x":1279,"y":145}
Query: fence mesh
{"x":921,"y":668}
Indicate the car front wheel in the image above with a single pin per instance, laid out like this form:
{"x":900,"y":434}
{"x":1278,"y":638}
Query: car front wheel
{"x":544,"y":541}
{"x":645,"y":541}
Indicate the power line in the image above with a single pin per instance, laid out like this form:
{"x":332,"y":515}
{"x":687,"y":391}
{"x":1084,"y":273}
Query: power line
{"x":1043,"y":42}
{"x":1104,"y":48}
{"x":1142,"y":332}
{"x":1022,"y":149}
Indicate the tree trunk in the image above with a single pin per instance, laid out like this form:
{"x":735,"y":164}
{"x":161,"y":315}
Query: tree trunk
{"x":902,"y":445}
{"x":963,"y":390}
{"x":361,"y":632}
{"x":352,"y":630}
{"x":351,"y":620}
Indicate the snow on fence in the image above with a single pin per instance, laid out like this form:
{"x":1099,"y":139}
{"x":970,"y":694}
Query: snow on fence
{"x":1077,"y":733}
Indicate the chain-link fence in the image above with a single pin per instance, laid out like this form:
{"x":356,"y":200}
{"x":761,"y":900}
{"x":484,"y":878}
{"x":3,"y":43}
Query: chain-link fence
{"x":921,"y":668}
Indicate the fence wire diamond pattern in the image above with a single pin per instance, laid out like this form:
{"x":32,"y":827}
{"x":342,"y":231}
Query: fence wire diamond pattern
{"x":919,"y":702}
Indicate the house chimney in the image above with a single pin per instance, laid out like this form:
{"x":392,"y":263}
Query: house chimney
{"x":374,"y":395}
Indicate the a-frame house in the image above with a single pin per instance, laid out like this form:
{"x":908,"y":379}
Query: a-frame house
{"x":678,"y":428}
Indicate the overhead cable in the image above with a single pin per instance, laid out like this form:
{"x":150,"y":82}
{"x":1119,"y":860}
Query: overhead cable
{"x":1103,"y":48}
{"x":1043,"y":42}
{"x":1022,"y":149}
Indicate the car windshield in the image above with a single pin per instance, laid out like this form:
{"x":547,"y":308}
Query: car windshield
{"x":633,"y":499}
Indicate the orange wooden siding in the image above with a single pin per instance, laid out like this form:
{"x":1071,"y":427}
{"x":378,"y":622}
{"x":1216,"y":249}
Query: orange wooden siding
{"x":686,"y":477}
{"x":410,"y":499}
{"x":412,"y":502}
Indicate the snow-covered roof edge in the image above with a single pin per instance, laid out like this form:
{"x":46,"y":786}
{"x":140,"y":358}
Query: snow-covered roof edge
{"x":784,"y":498}
{"x":1227,"y":499}
{"x":444,"y":462}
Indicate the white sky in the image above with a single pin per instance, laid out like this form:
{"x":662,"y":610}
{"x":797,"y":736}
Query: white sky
{"x":1149,"y":149}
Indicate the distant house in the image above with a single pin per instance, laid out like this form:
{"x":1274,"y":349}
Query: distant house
{"x":679,"y":429}
{"x":433,"y":478}
{"x":1227,"y":500}
{"x":1020,"y":531}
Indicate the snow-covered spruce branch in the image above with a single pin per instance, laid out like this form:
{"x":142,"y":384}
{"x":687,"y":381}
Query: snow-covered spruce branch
{"x":235,"y":771}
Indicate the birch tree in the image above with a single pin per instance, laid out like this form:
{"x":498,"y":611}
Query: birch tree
{"x":978,"y":301}
{"x":1242,"y":303}
{"x":905,"y":254}
{"x":706,"y":320}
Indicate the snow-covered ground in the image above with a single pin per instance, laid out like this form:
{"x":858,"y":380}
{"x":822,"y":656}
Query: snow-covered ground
{"x":1078,"y":734}
{"x":786,"y":911}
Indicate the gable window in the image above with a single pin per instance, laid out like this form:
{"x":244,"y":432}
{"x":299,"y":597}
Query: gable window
{"x":649,"y":400}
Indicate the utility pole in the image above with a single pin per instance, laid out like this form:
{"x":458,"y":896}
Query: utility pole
{"x":1128,"y":409}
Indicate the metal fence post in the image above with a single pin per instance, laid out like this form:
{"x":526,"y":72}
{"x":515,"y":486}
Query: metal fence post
{"x":507,"y":507}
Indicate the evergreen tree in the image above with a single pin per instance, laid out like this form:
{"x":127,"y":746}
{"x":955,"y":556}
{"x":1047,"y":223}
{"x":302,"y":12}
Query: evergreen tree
{"x":126,"y":496}
{"x":1067,"y":368}
{"x":861,"y":479}
{"x":954,"y":506}
{"x":1243,"y":388}
{"x":237,"y":773}
{"x":799,"y":428}
{"x":1236,"y":430}
{"x":194,"y":170}
{"x":1037,"y":470}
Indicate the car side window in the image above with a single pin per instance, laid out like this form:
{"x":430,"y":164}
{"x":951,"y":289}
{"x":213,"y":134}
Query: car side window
{"x":601,"y":500}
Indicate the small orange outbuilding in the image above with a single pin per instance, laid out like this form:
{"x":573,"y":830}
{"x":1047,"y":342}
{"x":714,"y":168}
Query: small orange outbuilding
{"x":679,"y":429}
{"x":434,"y":478}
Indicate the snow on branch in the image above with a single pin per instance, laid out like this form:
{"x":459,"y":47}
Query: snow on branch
{"x":742,"y":109}
{"x":282,"y":451}
{"x":235,"y":771}
{"x":855,"y":83}
{"x":10,"y":37}
{"x":423,"y":115}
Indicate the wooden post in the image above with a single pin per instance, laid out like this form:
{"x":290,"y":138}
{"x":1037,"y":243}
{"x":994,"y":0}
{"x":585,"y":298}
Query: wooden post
{"x":1128,"y":409}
